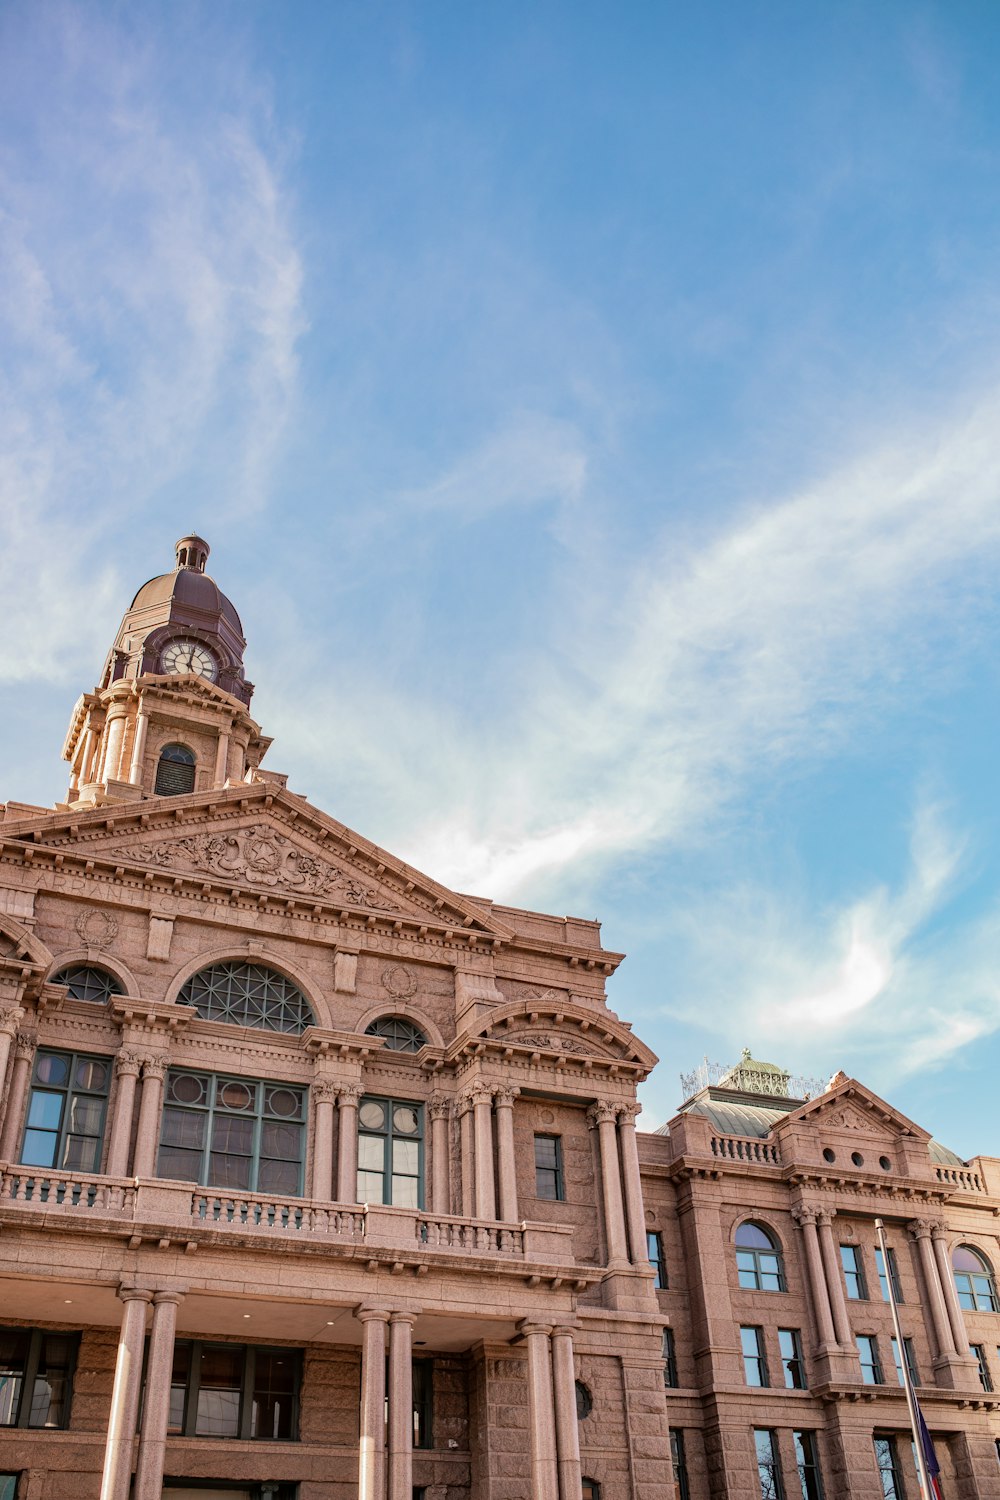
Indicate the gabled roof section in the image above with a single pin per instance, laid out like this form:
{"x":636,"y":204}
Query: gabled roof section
{"x":850,"y":1105}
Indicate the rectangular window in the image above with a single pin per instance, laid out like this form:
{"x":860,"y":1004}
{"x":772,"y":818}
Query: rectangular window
{"x":391,"y":1152}
{"x":66,"y":1107}
{"x":548,"y":1168}
{"x":234,"y":1391}
{"x":871,"y":1368}
{"x":807,"y":1462}
{"x":654,"y":1251}
{"x":754,"y":1356}
{"x":883,"y":1280}
{"x":768,"y":1464}
{"x":679,"y":1459}
{"x":36,"y":1374}
{"x":978,"y":1352}
{"x":8,"y":1486}
{"x":854,"y":1272}
{"x":591,"y":1490}
{"x":888,"y":1467}
{"x":423,"y":1403}
{"x":790,"y":1345}
{"x":669,"y":1358}
{"x":235,"y":1134}
{"x":911,"y":1361}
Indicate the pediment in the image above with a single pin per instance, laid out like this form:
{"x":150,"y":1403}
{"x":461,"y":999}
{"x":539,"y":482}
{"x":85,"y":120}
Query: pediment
{"x":547,"y":1021}
{"x":261,"y":839}
{"x":849,"y":1107}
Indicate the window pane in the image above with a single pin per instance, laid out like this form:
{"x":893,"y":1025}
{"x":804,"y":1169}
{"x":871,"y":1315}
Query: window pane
{"x":279,"y":1177}
{"x":284,"y":1141}
{"x":39,"y":1149}
{"x":404,"y":1192}
{"x":81,"y":1153}
{"x":229,"y":1171}
{"x":232,"y":1134}
{"x":273,"y":1394}
{"x":369,"y":1187}
{"x":405,"y":1157}
{"x":178,"y":1387}
{"x":182,"y":1127}
{"x":371,"y":1152}
{"x":545,"y":1151}
{"x":45,"y":1109}
{"x":219,"y":1397}
{"x":184,"y":1166}
{"x":85,"y":1115}
{"x":48,"y":1399}
{"x":52,"y":1067}
{"x":13,"y":1356}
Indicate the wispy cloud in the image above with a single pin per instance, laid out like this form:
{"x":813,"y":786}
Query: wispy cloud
{"x":150,"y":305}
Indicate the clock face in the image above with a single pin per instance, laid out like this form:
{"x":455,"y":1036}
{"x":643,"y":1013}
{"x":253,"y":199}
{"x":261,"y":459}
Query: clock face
{"x":189,"y":656}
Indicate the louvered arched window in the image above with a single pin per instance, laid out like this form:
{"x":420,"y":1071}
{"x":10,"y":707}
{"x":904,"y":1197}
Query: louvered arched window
{"x":174,"y":771}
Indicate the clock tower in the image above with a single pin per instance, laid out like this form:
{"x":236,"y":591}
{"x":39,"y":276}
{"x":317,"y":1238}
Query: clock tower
{"x":171,"y":712}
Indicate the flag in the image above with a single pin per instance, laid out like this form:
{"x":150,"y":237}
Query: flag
{"x":931,"y":1466}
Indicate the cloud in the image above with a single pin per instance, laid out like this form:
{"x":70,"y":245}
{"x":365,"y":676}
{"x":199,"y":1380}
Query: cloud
{"x":150,"y":308}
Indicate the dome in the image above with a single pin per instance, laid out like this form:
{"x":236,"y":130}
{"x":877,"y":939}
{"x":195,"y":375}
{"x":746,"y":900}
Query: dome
{"x":188,"y":585}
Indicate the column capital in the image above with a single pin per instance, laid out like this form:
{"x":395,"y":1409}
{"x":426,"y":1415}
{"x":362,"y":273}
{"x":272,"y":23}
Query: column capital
{"x":922,"y":1229}
{"x":9,"y":1017}
{"x":629,"y":1113}
{"x":349,"y":1095}
{"x":804,"y":1213}
{"x":939,"y":1231}
{"x":169,"y":1296}
{"x":134,"y":1294}
{"x":128,"y":1063}
{"x":482,"y":1092}
{"x":825,"y":1216}
{"x":601,"y":1113}
{"x":397,"y":1316}
{"x":505,"y":1097}
{"x":155,"y":1065}
{"x":25,"y":1043}
{"x":527,"y":1329}
{"x":372,"y":1314}
{"x":438,"y":1107}
{"x":324,"y":1091}
{"x":568,"y":1331}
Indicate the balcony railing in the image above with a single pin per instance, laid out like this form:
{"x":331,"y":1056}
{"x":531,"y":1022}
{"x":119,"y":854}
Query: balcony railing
{"x":745,"y":1148}
{"x":177,"y":1207}
{"x":960,"y":1177}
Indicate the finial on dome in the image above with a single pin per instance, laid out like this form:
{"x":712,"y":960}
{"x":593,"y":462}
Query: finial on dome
{"x":192,"y":553}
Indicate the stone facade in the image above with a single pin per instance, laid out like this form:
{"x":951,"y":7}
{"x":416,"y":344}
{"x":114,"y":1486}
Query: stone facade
{"x":318,"y":1179}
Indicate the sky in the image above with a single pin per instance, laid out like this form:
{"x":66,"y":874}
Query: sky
{"x":594,"y":412}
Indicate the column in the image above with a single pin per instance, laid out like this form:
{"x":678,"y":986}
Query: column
{"x":567,"y":1424}
{"x":920,"y":1229}
{"x":834,"y":1280}
{"x":9,"y":1017}
{"x":371,"y":1447}
{"x":468,"y":1155}
{"x":486,"y":1197}
{"x":148,"y":1134}
{"x":506,"y":1168}
{"x":24,"y":1051}
{"x":439,"y":1111}
{"x":222,"y":756}
{"x":156,"y":1406}
{"x":324,"y":1096}
{"x":806,"y":1220}
{"x":87,"y":758}
{"x":138,"y":746}
{"x":127,"y":1065}
{"x":635,"y":1214}
{"x":541,"y":1412}
{"x":603,"y":1116}
{"x":113,"y":738}
{"x":348,"y":1099}
{"x":947,"y":1278}
{"x":401,"y":1406}
{"x":125,"y":1396}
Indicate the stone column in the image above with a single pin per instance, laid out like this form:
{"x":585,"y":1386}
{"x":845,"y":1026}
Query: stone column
{"x":401,"y":1406}
{"x":541,"y":1412}
{"x":324,"y":1096}
{"x":125,"y":1396}
{"x":348,"y":1099}
{"x":806,"y":1220}
{"x":138,"y":746}
{"x":834,"y":1281}
{"x":635,"y":1214}
{"x":114,"y":736}
{"x":920,"y":1229}
{"x":9,"y":1017}
{"x":567,"y":1423}
{"x":127,"y":1065}
{"x":439,"y":1111}
{"x":148,"y":1134}
{"x":486,"y":1197}
{"x":371,"y":1447}
{"x":603,"y":1116}
{"x":468,"y":1157}
{"x":156,"y":1405}
{"x":222,"y":757}
{"x":946,"y":1275}
{"x":24,"y":1052}
{"x":90,"y":744}
{"x":507,"y":1171}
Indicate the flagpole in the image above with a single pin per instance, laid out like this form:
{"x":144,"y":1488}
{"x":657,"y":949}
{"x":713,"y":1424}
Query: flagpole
{"x":911,"y":1399}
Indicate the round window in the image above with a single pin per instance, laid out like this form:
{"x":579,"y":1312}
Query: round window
{"x":282,"y":1102}
{"x":187,"y":1088}
{"x":236,"y":1095}
{"x":404,"y":1119}
{"x":885,"y":1164}
{"x":91,"y":1075}
{"x":857,"y":1158}
{"x":372,"y":1115}
{"x":52,"y":1069}
{"x":829,"y":1155}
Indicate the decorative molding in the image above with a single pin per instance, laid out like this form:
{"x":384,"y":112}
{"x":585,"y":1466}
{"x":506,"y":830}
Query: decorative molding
{"x":438,"y":1107}
{"x":349,"y":1095}
{"x":9,"y":1017}
{"x":97,"y":929}
{"x":601,"y":1112}
{"x":127,"y":1062}
{"x":398,"y":982}
{"x":258,"y":856}
{"x":325,"y":1092}
{"x":25,"y":1043}
{"x":505,"y":1097}
{"x":155,"y":1065}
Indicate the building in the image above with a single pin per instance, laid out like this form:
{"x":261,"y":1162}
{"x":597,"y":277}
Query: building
{"x":318,"y":1179}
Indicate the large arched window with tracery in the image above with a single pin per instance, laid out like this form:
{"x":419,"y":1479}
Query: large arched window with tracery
{"x":758,"y":1259}
{"x":400,"y":1034}
{"x":87,"y":982}
{"x":243,"y":994}
{"x":977,"y":1290}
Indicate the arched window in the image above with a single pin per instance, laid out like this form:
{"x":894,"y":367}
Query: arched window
{"x":84,"y":982}
{"x":977,"y":1291}
{"x":175,"y":771}
{"x":400,"y":1034}
{"x":247,"y":995}
{"x":758,"y":1259}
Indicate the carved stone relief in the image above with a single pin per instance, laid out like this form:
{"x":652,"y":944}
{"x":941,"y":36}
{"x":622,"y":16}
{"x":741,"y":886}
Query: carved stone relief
{"x":97,"y":929}
{"x":258,"y":856}
{"x":398,"y":982}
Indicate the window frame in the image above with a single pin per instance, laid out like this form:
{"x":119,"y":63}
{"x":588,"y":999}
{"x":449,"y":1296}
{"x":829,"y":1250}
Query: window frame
{"x":853,"y":1267}
{"x":978,"y":1353}
{"x":891,"y":1467}
{"x":387,"y":1137}
{"x":423,"y":1403}
{"x":796,"y":1359}
{"x":67,"y":1093}
{"x":874,"y":1363}
{"x":978,"y":1300}
{"x":893,"y":1275}
{"x":678,"y":1459}
{"x":260,"y":1116}
{"x":670,"y":1359}
{"x":29,"y":1377}
{"x":192,"y":1391}
{"x":166,"y":763}
{"x":755,"y":1357}
{"x":806,"y":1451}
{"x":590,"y":1489}
{"x":88,"y":977}
{"x":556,"y":1171}
{"x":657,"y":1259}
{"x":400,"y":1033}
{"x":908,"y":1355}
{"x":755,"y":1255}
{"x":776,"y":1489}
{"x":10,"y":1493}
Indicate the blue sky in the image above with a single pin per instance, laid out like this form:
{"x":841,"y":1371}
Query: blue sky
{"x":594,"y":414}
